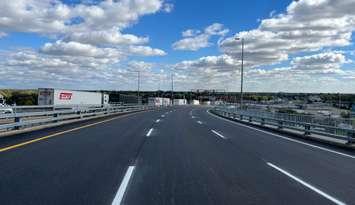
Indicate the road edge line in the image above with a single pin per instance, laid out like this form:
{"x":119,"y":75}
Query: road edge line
{"x":283,"y":137}
{"x":309,"y":186}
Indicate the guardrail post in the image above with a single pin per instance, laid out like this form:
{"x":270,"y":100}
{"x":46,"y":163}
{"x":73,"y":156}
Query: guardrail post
{"x":250,"y":119}
{"x":351,"y":137}
{"x":262,"y":121}
{"x":55,"y":115}
{"x":307,"y":128}
{"x":241,"y":117}
{"x":280,"y":125}
{"x":79,"y":113}
{"x":17,"y":120}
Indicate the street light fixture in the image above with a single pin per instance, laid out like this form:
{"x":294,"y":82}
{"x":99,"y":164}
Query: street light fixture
{"x":138,"y":84}
{"x":241,"y":72}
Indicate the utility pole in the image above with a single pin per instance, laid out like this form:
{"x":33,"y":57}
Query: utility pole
{"x":138,"y":84}
{"x":241,"y":73}
{"x":172,"y":88}
{"x":159,"y":85}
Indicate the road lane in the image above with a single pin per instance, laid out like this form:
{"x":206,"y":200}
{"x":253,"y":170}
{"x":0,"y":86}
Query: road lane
{"x":81,"y":167}
{"x":326,"y":170}
{"x":181,"y":162}
{"x":190,"y":165}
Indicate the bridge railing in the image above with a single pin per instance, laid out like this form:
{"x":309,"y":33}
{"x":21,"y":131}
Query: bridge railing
{"x":30,"y":116}
{"x":308,"y":125}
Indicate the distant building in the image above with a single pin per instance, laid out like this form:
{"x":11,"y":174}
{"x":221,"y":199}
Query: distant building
{"x":353,"y":110}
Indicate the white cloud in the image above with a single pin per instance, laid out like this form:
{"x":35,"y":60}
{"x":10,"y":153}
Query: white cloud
{"x":316,"y":72}
{"x":308,"y":25}
{"x":216,"y":29}
{"x":107,"y":37}
{"x":146,"y":51}
{"x":52,"y":16}
{"x":2,"y":34}
{"x":190,"y":33}
{"x":140,"y":66}
{"x":322,"y":61}
{"x":30,"y":69}
{"x":98,"y":24}
{"x":194,"y":41}
{"x":78,"y":49}
{"x":168,"y":7}
{"x":218,"y":63}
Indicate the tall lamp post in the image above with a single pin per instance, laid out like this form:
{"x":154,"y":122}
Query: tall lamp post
{"x":241,"y":72}
{"x":172,"y":88}
{"x":138,"y":84}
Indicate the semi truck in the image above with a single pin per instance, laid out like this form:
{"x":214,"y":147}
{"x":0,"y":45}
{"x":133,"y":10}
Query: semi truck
{"x":51,"y":96}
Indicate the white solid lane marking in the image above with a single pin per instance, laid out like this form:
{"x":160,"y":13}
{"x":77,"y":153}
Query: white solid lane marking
{"x":149,"y":132}
{"x":121,"y":191}
{"x":219,"y":135}
{"x":199,"y":122}
{"x":286,"y":138}
{"x":158,"y":120}
{"x":318,"y":191}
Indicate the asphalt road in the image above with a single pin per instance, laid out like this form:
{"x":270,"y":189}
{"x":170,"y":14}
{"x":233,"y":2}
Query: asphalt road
{"x":178,"y":155}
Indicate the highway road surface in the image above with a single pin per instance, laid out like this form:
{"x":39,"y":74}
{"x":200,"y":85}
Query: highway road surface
{"x":176,"y":155}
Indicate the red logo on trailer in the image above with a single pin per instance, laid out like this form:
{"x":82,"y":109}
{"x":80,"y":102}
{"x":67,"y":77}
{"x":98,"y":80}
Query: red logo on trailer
{"x":65,"y":96}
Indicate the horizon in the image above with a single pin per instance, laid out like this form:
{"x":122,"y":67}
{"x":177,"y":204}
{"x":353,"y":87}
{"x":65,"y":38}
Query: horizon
{"x":185,"y":91}
{"x":300,"y":46}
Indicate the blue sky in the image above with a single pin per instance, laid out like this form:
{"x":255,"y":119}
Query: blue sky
{"x":56,"y":43}
{"x":165,"y":28}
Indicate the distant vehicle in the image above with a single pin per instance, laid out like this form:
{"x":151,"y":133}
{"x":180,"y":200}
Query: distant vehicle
{"x":195,"y":102}
{"x":324,"y":112}
{"x":180,"y":101}
{"x":156,"y":101}
{"x":5,"y":110}
{"x":50,"y":96}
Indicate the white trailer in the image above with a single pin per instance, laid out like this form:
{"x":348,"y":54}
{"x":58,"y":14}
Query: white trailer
{"x":180,"y":102}
{"x":155,"y":101}
{"x":50,"y":96}
{"x":195,"y":102}
{"x":166,"y":101}
{"x":159,"y":101}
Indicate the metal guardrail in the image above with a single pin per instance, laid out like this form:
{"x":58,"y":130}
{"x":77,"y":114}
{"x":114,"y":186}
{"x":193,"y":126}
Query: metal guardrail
{"x":31,"y":116}
{"x":290,"y":122}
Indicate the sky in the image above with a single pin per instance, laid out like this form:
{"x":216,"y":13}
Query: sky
{"x":289,"y":46}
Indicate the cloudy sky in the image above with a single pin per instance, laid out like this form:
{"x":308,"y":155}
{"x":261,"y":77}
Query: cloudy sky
{"x":290,"y":46}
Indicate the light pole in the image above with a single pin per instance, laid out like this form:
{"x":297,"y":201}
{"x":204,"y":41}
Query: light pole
{"x":138,"y":84}
{"x":172,"y":88}
{"x":241,"y":73}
